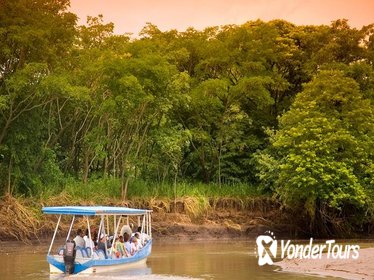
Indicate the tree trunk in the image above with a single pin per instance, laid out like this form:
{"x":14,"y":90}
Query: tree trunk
{"x":175,"y":189}
{"x":123,"y":182}
{"x":4,"y":130}
{"x":85,"y":169}
{"x":10,"y":167}
{"x":106,"y":159}
{"x":219,"y":165}
{"x":106,"y":164}
{"x":126,"y":187}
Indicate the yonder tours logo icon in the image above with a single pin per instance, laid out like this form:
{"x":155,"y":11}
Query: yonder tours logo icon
{"x":266,"y":248}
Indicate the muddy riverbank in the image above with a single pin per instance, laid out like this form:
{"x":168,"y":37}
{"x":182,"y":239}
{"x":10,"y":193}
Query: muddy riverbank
{"x":188,"y":218}
{"x":185,"y":218}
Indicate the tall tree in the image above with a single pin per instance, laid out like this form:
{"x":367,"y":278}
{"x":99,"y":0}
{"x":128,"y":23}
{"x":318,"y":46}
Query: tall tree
{"x":323,"y":152}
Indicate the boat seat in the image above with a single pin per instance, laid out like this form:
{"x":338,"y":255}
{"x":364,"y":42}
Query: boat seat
{"x":100,"y":254}
{"x":79,"y":253}
{"x":95,"y":256}
{"x":84,"y":253}
{"x":88,"y":250}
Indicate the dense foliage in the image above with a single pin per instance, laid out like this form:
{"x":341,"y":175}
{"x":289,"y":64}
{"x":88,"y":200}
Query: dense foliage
{"x":287,"y":108}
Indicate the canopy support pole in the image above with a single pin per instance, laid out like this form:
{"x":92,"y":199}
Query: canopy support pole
{"x":107,"y":225}
{"x":90,"y":237}
{"x":142,"y":231}
{"x":54,"y":234}
{"x":71,"y":226}
{"x":106,"y":248}
{"x":115,"y":234}
{"x":100,"y":226}
{"x":143,"y":225}
{"x":114,"y":223}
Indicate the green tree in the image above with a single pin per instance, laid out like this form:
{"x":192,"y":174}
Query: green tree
{"x":321,"y":158}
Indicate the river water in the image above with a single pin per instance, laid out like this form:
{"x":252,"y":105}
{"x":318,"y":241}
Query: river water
{"x":230,"y":259}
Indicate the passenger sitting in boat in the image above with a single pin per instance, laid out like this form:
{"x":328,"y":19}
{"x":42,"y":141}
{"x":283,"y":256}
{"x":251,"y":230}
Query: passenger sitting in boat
{"x":119,"y":247}
{"x":133,"y":235}
{"x":102,"y":244}
{"x":116,"y":251}
{"x":79,"y":241}
{"x":142,"y":236}
{"x":140,"y":245}
{"x":134,"y":245}
{"x":126,"y":239}
{"x":109,"y":241}
{"x":125,"y":253}
{"x":89,"y":243}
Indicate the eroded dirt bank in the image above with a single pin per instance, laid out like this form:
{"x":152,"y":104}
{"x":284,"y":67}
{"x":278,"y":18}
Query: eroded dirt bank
{"x":186,"y":218}
{"x":225,"y":218}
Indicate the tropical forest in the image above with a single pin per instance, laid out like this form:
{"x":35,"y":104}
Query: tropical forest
{"x":270,"y":118}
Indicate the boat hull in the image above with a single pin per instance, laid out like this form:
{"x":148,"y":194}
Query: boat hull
{"x":88,"y":265}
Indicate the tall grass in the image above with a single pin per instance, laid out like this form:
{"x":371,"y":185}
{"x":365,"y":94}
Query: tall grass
{"x":95,"y":190}
{"x":104,"y":189}
{"x":140,"y":188}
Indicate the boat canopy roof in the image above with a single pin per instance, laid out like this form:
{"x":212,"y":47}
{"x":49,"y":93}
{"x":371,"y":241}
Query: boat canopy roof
{"x":93,"y":210}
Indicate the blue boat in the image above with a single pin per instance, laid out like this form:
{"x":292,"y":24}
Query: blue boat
{"x":89,"y":259}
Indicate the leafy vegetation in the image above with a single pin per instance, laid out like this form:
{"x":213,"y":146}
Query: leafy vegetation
{"x":323,"y":150}
{"x":236,"y":110}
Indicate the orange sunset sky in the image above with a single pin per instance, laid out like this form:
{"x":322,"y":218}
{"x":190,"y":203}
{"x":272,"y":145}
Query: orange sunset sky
{"x":132,"y":15}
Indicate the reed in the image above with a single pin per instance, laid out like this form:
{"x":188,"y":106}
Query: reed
{"x":19,"y":219}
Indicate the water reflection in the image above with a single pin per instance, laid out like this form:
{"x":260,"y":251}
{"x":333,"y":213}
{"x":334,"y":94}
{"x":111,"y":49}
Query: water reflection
{"x":139,"y":272}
